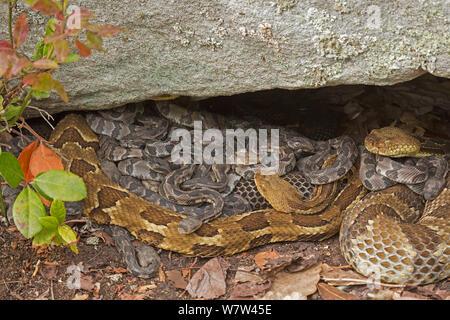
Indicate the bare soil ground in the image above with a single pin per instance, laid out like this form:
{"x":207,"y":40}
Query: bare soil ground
{"x":50,"y":273}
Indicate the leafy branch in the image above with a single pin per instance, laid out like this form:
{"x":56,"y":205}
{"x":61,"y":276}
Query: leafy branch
{"x":67,"y":36}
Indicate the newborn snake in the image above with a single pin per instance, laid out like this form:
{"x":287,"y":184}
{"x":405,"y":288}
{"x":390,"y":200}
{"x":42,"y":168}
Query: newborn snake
{"x":108,"y":203}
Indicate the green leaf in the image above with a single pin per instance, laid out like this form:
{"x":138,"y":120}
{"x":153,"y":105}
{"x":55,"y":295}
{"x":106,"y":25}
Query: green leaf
{"x":72,"y":57}
{"x":74,"y":248}
{"x":40,"y":192}
{"x":45,"y":82}
{"x":30,"y":2}
{"x":49,"y":222}
{"x":12,"y":111}
{"x":67,"y":234}
{"x":10,"y":169}
{"x":39,"y":50}
{"x":95,"y":41}
{"x":45,"y":236}
{"x":51,"y":26}
{"x":58,"y":211}
{"x":40,"y":94}
{"x":57,"y":240}
{"x":60,"y":184}
{"x":27,"y":210}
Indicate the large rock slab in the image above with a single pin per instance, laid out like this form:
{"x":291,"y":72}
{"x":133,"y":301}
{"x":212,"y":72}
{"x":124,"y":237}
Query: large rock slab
{"x":224,"y":47}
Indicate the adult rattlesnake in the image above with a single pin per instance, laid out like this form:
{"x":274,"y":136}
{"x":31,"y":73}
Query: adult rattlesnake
{"x":108,"y":203}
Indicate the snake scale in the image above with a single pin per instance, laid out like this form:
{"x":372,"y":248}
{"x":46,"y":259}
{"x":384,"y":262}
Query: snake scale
{"x":378,"y":233}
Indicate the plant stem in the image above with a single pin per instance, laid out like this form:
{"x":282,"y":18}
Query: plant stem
{"x":22,"y":108}
{"x":10,"y":10}
{"x":2,"y":204}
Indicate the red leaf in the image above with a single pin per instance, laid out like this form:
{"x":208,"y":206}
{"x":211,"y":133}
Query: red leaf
{"x":20,"y":30}
{"x":24,"y":160}
{"x":45,"y":64}
{"x":44,"y":159}
{"x":54,"y":37}
{"x":108,"y":30}
{"x":62,"y":49}
{"x":17,"y":65}
{"x":84,"y":49}
{"x":31,"y":79}
{"x":48,"y":7}
{"x":4,"y":63}
{"x":5,"y":44}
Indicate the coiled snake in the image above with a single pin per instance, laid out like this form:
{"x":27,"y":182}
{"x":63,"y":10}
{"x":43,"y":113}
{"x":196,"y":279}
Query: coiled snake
{"x":365,"y":234}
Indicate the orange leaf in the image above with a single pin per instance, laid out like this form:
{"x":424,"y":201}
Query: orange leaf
{"x":43,"y":159}
{"x":84,"y":49}
{"x":20,"y":30}
{"x":24,"y":160}
{"x":260,"y":258}
{"x":46,"y":202}
{"x":108,"y":30}
{"x":186,"y":272}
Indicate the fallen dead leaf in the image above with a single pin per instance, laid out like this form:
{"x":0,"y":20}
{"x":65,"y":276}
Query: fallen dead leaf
{"x":242,"y":276}
{"x":428,"y":290}
{"x":146,"y":288}
{"x":107,"y":239}
{"x":408,"y":295}
{"x":133,"y":296}
{"x":262,"y":257}
{"x":328,"y":292}
{"x":209,"y":281}
{"x":186,"y":272}
{"x":294,"y":286}
{"x":48,"y":271}
{"x":443,"y":294}
{"x":176,"y":278}
{"x":119,"y":270}
{"x":86,"y":283}
{"x":384,"y":294}
{"x":96,"y":290}
{"x":249,"y":289}
{"x":81,"y":296}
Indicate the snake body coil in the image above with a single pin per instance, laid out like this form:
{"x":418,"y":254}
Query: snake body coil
{"x":108,"y":203}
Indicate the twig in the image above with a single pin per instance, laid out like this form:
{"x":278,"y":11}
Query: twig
{"x":22,"y":136}
{"x":45,"y":115}
{"x":363,"y":281}
{"x":76,"y":220}
{"x":36,"y":268}
{"x":34,"y":133}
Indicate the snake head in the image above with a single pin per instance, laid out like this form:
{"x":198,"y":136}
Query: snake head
{"x":391,"y":142}
{"x":301,"y":144}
